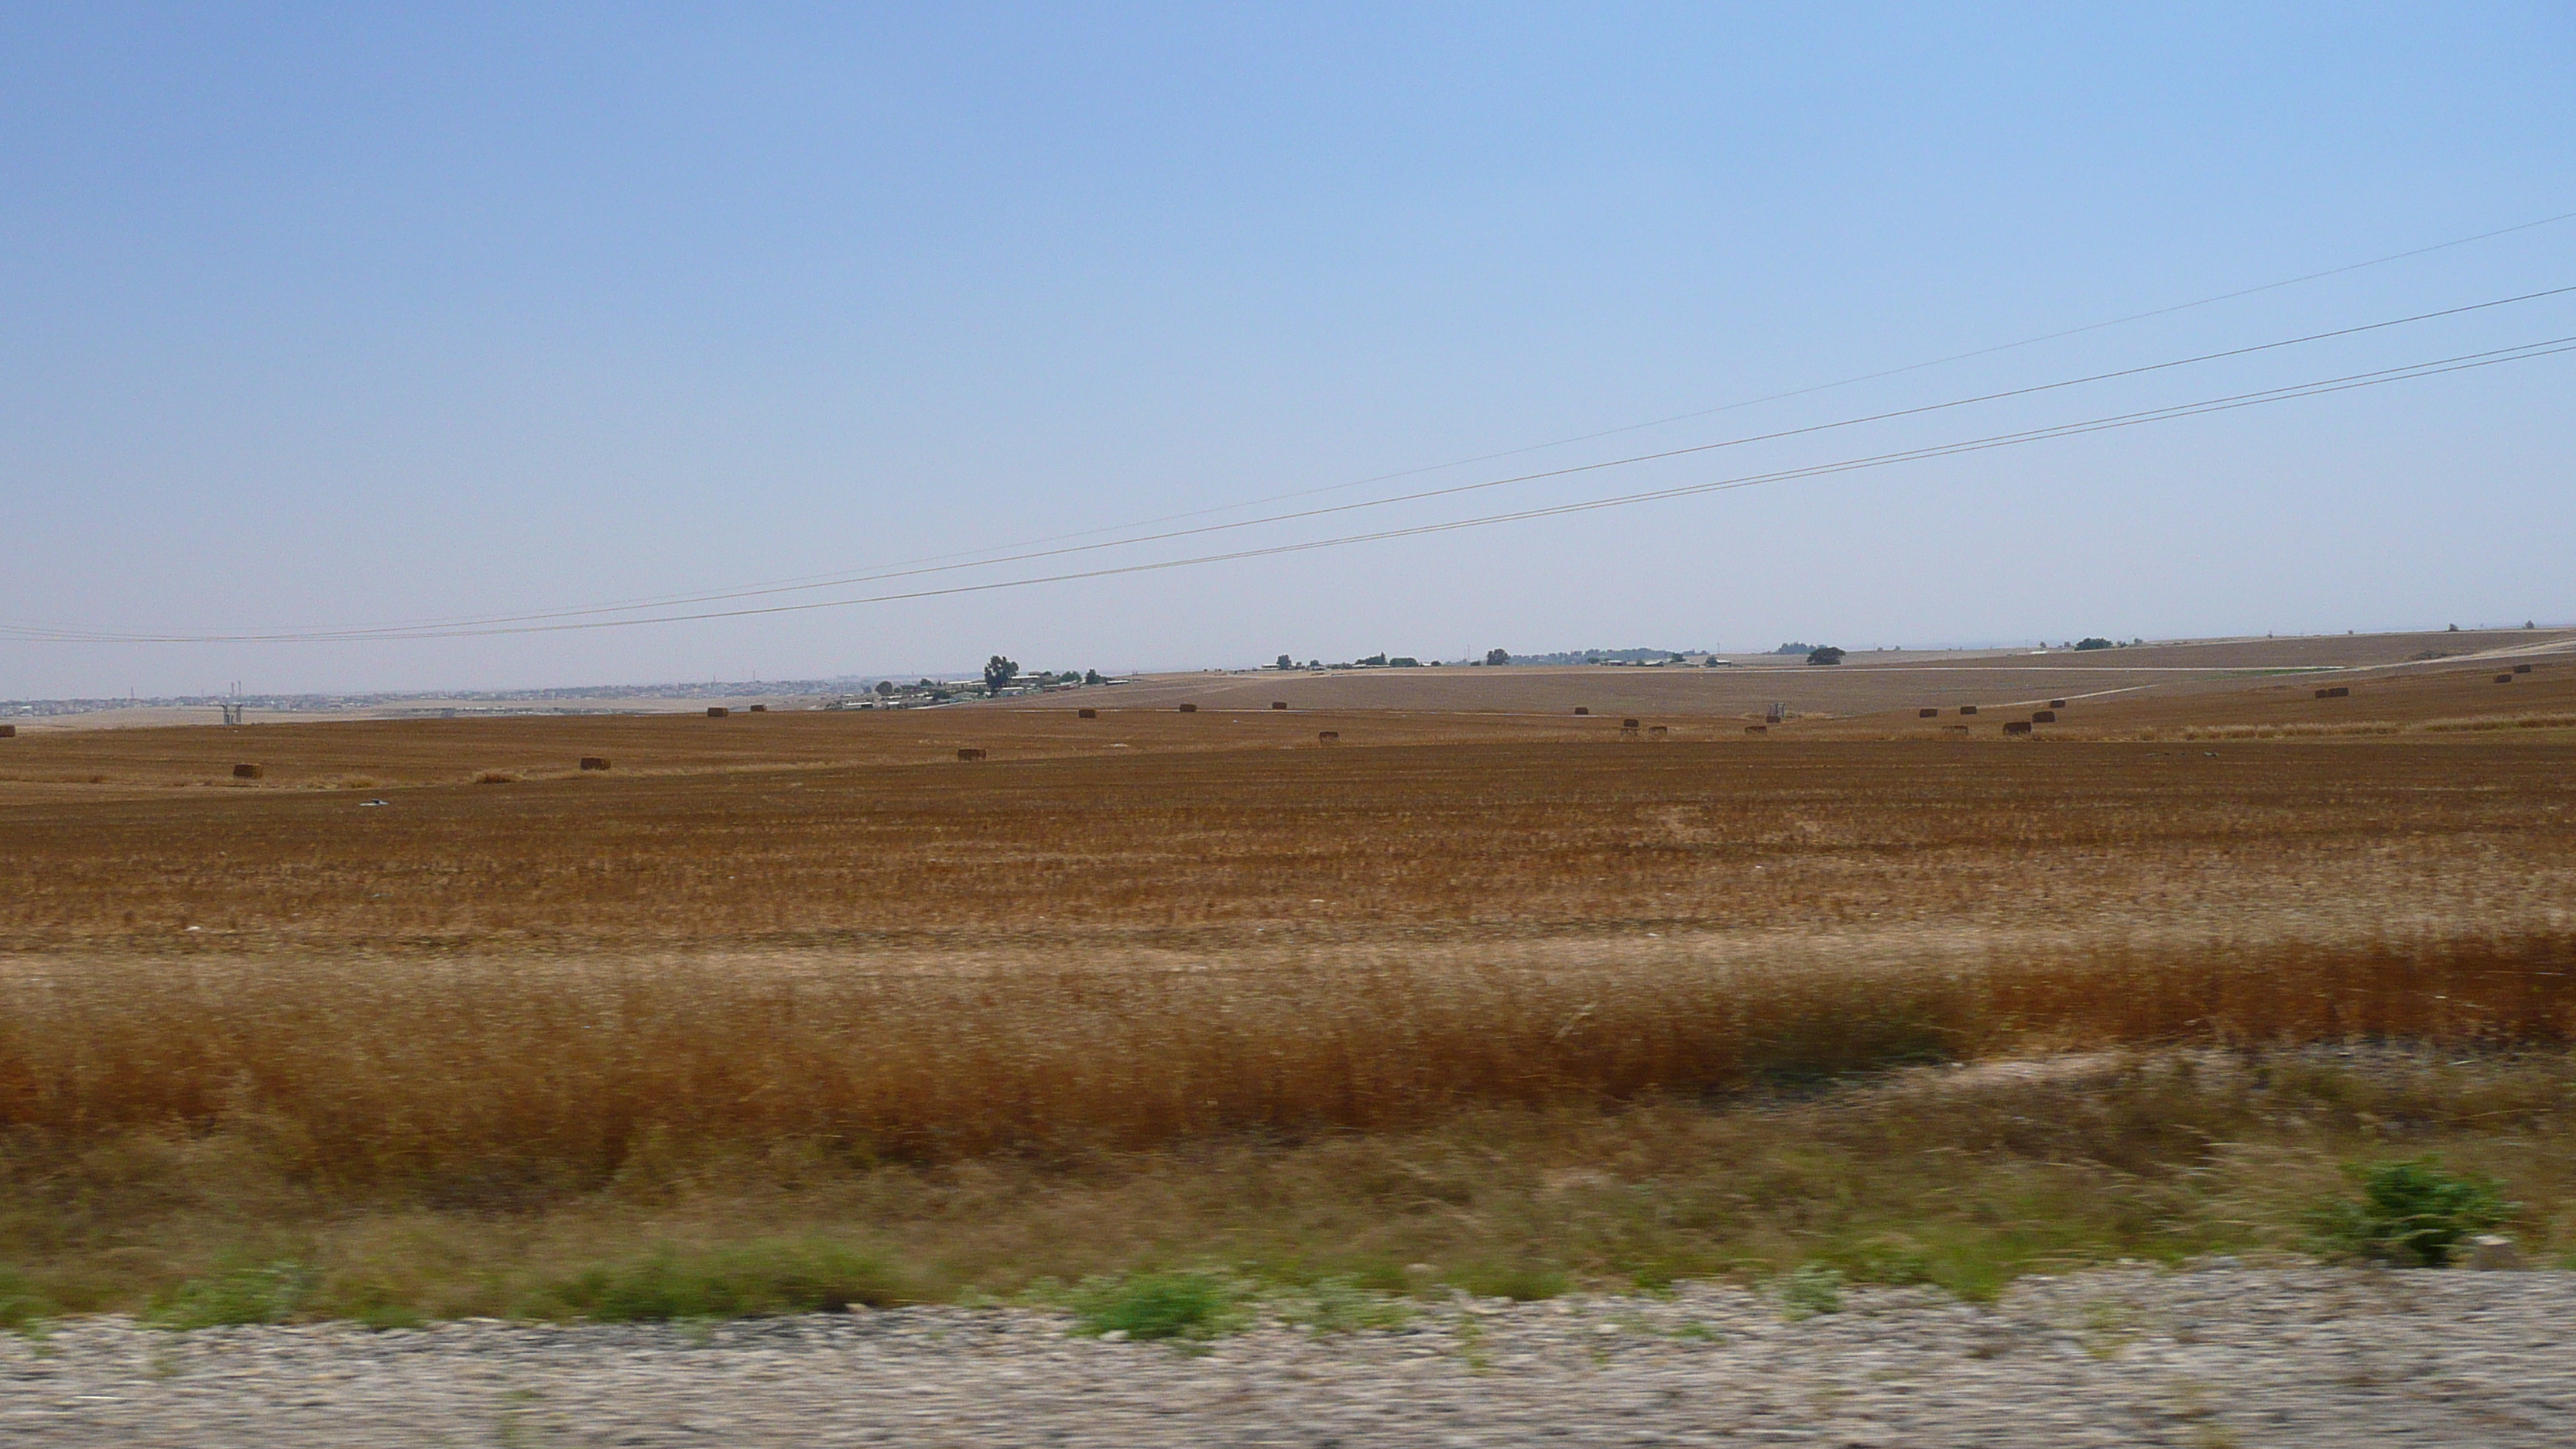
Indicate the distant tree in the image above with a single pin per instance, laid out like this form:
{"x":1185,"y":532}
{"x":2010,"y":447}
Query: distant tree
{"x":1824,"y":654}
{"x":2529,"y":625}
{"x":1404,"y":661}
{"x":1497,"y":656}
{"x":1379,"y":659}
{"x":1286,"y":663}
{"x":2454,"y":629}
{"x":1091,"y":676}
{"x":998,"y":673}
{"x":1794,"y":648}
{"x":2092,"y":643}
{"x":885,"y":686}
{"x":1314,"y":663}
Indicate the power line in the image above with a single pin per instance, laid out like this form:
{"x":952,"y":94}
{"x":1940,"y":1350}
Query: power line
{"x":1807,"y":391}
{"x":975,"y":558}
{"x":392,"y":631}
{"x":2407,"y":372}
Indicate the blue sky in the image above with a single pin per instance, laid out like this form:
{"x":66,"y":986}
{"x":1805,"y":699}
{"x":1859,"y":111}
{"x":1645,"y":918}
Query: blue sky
{"x":321,"y":316}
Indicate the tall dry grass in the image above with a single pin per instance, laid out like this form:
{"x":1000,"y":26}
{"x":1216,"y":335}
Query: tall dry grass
{"x":497,"y":989}
{"x":484,"y":1076}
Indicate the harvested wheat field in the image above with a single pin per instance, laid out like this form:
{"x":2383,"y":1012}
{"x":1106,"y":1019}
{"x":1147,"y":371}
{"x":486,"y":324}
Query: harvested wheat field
{"x":1868,"y":683}
{"x":800,"y":1007}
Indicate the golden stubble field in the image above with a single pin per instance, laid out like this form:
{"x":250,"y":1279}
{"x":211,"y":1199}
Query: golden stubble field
{"x":514,"y":987}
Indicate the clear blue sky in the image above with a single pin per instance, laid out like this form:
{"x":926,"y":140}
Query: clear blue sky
{"x":341,"y":314}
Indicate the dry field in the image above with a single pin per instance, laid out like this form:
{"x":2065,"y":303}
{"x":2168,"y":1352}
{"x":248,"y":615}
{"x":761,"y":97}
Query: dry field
{"x":1503,"y":993}
{"x":1867,"y":684}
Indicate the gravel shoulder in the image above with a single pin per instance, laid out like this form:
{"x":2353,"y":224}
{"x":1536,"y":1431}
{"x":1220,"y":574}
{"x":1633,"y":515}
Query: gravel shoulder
{"x":2218,"y":1355}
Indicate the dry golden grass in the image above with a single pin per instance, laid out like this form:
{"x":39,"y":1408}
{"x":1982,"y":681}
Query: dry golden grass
{"x":1963,"y":1178}
{"x":521,"y":982}
{"x":517,"y":1080}
{"x":816,"y":964}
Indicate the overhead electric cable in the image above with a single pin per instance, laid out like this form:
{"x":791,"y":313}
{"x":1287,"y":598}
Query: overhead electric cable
{"x":2407,"y":372}
{"x":1807,"y":391}
{"x":391,"y":631}
{"x":975,"y":559}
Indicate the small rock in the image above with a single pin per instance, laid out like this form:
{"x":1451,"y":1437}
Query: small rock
{"x":2493,"y":1254}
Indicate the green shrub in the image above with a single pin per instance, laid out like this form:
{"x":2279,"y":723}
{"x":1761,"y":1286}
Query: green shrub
{"x":1812,"y":1288}
{"x":1520,"y":1283}
{"x":1156,"y":1305}
{"x":241,"y":1293}
{"x":22,"y":1308}
{"x":1342,"y":1305}
{"x":753,"y":1281}
{"x":2412,"y":1211}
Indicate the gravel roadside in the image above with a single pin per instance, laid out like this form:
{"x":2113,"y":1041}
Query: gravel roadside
{"x":2218,"y":1355}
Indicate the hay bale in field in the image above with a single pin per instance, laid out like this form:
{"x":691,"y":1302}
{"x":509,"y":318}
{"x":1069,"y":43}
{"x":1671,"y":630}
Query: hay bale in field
{"x":1927,"y":714}
{"x":1086,"y":713}
{"x":2017,"y":727}
{"x":2057,"y":704}
{"x":1628,"y":724}
{"x":1278,"y":704}
{"x":247,"y":772}
{"x":2043,"y":716}
{"x":1327,"y":737}
{"x":1757,"y":729}
{"x":1582,"y":709}
{"x":1967,"y":709}
{"x":8,"y":732}
{"x":2522,"y":669}
{"x":594,"y":762}
{"x":760,"y":709}
{"x":1189,"y":709}
{"x":970,"y":754}
{"x":1657,"y":731}
{"x":2504,"y":679}
{"x":1954,"y":729}
{"x":717,"y":711}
